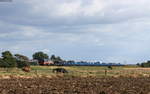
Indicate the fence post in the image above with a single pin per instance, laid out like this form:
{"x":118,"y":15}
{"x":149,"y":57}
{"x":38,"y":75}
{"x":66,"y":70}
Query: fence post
{"x":105,"y":72}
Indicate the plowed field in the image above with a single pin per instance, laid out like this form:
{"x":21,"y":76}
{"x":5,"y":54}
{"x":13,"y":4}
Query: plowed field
{"x":76,"y":85}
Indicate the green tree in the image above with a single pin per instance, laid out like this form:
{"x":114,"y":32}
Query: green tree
{"x":8,"y":60}
{"x":145,"y":64}
{"x":138,"y":64}
{"x":40,"y":56}
{"x":21,"y":57}
{"x":22,"y":61}
{"x":3,"y":64}
{"x":53,"y":58}
{"x":57,"y":60}
{"x":21,"y":64}
{"x":7,"y":54}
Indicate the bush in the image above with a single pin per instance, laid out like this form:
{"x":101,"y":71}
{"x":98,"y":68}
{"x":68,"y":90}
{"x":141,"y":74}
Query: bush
{"x":3,"y":64}
{"x":60,"y":70}
{"x":21,"y":64}
{"x":8,"y":63}
{"x":7,"y":60}
{"x":110,"y":67}
{"x":145,"y":64}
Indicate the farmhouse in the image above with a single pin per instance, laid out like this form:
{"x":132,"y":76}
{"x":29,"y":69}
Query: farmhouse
{"x":46,"y":62}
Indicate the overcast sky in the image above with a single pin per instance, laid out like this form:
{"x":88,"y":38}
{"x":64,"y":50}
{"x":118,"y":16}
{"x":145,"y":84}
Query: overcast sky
{"x":92,"y":30}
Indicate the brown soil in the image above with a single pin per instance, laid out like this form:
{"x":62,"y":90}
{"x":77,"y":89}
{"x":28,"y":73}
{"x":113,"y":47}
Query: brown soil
{"x":76,"y":85}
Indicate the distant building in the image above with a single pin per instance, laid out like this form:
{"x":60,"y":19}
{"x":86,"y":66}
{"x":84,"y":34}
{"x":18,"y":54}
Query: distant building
{"x":43,"y":62}
{"x":46,"y":62}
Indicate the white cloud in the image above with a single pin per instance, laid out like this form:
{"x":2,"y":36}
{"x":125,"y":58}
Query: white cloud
{"x":101,"y":11}
{"x":46,"y":50}
{"x":108,"y":29}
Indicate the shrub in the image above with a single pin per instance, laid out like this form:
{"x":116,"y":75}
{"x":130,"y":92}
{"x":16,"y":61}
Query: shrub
{"x":21,"y":64}
{"x":8,"y":63}
{"x":3,"y":64}
{"x":145,"y":64}
{"x":60,"y":70}
{"x":110,"y":67}
{"x":7,"y":60}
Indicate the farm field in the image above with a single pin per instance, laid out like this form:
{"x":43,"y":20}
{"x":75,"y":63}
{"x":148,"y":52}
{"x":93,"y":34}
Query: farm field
{"x":76,"y":85}
{"x":79,"y":80}
{"x":77,"y":71}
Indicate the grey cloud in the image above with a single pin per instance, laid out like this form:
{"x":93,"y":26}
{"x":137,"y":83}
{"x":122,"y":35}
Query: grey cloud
{"x":105,"y":30}
{"x":79,"y":12}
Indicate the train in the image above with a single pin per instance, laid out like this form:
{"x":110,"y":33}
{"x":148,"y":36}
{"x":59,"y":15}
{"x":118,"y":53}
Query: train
{"x":90,"y":64}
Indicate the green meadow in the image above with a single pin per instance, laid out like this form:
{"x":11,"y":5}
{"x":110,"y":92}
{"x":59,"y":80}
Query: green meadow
{"x":81,"y":71}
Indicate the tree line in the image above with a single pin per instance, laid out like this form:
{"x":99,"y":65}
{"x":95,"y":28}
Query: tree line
{"x":9,"y":60}
{"x":144,"y":64}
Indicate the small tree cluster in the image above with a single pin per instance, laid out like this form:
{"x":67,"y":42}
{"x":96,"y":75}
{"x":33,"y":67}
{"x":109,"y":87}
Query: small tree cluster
{"x":9,"y":60}
{"x":56,"y":59}
{"x":22,"y":61}
{"x":144,"y":64}
{"x":40,"y":56}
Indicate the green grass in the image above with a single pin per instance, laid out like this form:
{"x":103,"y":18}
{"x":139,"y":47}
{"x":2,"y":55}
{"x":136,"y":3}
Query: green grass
{"x":77,"y":71}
